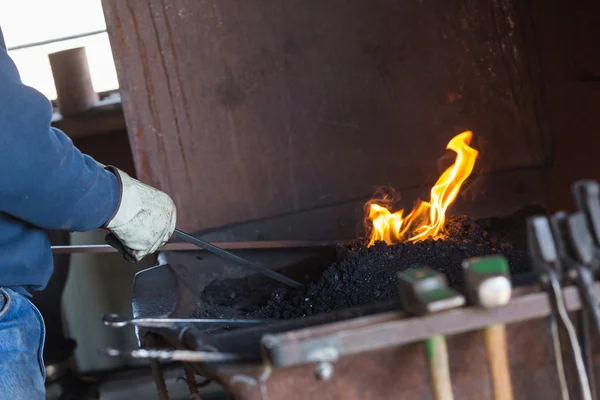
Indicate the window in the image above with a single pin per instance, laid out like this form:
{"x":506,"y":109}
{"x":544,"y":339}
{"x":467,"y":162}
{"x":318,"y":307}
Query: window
{"x":31,"y":27}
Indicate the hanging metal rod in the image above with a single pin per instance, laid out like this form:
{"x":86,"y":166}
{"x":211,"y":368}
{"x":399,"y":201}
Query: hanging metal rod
{"x":50,"y":41}
{"x":249,"y":245}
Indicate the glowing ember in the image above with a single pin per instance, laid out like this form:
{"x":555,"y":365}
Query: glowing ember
{"x":426,"y":218}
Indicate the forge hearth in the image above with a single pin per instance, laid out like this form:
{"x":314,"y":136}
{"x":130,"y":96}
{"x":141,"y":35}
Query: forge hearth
{"x":359,"y":331}
{"x":367,"y":275}
{"x":300,"y":111}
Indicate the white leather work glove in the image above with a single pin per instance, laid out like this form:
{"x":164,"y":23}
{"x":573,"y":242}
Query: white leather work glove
{"x":144,"y":220}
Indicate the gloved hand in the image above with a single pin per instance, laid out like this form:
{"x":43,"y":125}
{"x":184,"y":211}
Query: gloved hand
{"x":145,"y":218}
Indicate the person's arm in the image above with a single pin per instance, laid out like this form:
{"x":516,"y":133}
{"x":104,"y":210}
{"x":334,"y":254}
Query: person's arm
{"x":44,"y":179}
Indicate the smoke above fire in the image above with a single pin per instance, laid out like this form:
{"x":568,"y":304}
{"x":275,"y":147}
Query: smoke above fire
{"x":427,"y":218}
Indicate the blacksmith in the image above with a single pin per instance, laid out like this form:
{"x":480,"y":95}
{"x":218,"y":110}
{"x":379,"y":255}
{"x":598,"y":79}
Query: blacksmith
{"x":47,"y":184}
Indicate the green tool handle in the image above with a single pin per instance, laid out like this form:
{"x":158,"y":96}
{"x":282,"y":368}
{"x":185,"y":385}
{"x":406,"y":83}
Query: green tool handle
{"x":439,"y":369}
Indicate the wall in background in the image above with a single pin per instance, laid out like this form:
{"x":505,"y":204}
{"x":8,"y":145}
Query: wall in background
{"x":21,"y":27}
{"x":98,"y":284}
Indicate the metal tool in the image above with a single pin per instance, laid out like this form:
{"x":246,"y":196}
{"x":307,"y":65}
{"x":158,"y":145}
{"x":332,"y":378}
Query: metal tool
{"x":117,"y":321}
{"x":487,"y":285}
{"x":584,"y":232}
{"x":424,"y":291}
{"x":487,"y":281}
{"x":175,"y":355}
{"x":245,"y":245}
{"x":236,"y":259}
{"x":586,"y":245}
{"x":575,"y":251}
{"x":545,"y":262}
{"x":587,"y":197}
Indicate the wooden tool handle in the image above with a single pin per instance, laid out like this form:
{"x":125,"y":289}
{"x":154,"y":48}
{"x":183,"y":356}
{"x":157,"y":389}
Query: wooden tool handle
{"x":437,"y":354}
{"x":495,"y":343}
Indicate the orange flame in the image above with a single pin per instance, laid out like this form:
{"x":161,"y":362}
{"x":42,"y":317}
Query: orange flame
{"x":426,"y":218}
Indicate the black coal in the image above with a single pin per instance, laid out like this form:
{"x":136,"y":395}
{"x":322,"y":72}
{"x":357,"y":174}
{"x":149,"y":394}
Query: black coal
{"x":368,"y":275}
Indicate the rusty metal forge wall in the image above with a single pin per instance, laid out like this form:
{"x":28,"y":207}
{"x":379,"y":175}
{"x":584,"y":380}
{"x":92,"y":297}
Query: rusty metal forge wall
{"x":248,"y":110}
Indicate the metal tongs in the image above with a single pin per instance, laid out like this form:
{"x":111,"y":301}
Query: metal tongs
{"x":113,"y":241}
{"x":575,"y":251}
{"x":584,"y":232}
{"x":175,"y":355}
{"x":546,"y":264}
{"x":117,"y":321}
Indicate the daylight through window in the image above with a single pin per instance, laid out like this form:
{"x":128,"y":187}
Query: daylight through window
{"x":27,"y":23}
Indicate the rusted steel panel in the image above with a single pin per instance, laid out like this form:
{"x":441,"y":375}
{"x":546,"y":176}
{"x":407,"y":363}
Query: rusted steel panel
{"x":399,"y":368}
{"x":370,"y":373}
{"x":389,"y":329}
{"x":402,"y":372}
{"x":564,"y":40}
{"x":379,"y":375}
{"x":381,"y":356}
{"x":532,"y":363}
{"x":245,"y":110}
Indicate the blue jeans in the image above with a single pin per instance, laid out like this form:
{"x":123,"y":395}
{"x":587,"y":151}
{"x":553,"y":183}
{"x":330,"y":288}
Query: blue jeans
{"x":22,"y":332}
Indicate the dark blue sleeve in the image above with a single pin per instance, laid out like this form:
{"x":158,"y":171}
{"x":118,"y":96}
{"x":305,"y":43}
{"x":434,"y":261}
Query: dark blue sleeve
{"x":44,"y":179}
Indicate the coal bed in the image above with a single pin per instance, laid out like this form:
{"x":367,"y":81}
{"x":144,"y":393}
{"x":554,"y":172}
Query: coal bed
{"x":367,"y":275}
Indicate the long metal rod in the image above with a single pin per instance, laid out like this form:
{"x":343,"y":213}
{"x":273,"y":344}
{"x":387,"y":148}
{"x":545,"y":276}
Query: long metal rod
{"x":587,"y":351}
{"x":236,"y":259}
{"x":561,"y":311}
{"x":174,"y":355}
{"x":116,"y":321}
{"x":60,"y":39}
{"x":245,"y":245}
{"x":560,"y":365}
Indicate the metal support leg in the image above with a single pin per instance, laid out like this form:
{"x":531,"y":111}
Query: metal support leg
{"x":586,"y":348}
{"x":190,"y":378}
{"x":157,"y":372}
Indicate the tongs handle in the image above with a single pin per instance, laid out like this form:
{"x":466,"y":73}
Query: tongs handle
{"x":559,"y":307}
{"x":114,"y":242}
{"x":585,"y":281}
{"x":236,"y":259}
{"x":546,"y":262}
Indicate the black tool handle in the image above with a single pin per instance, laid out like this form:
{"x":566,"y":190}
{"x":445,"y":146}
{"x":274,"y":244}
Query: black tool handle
{"x":585,"y":281}
{"x":236,"y":259}
{"x":559,"y":310}
{"x":586,"y":194}
{"x":114,"y":241}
